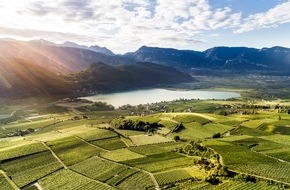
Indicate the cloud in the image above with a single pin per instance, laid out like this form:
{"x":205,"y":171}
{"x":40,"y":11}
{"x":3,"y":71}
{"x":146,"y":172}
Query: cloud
{"x":37,"y":34}
{"x":115,"y":23}
{"x":272,"y":18}
{"x":124,"y":25}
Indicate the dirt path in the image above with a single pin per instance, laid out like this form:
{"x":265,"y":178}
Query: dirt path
{"x":9,"y":180}
{"x":56,"y":157}
{"x":38,"y":186}
{"x":12,"y":113}
{"x":154,"y":181}
{"x":90,"y":143}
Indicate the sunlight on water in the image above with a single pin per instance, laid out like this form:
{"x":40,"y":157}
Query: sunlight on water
{"x":157,"y":95}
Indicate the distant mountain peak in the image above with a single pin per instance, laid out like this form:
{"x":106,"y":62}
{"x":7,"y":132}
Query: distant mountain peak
{"x":102,"y":50}
{"x":73,"y":45}
{"x":43,"y":42}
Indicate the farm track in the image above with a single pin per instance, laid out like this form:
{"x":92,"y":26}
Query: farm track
{"x":154,"y":181}
{"x":54,"y":155}
{"x":278,"y":159}
{"x":90,"y":143}
{"x":89,"y":177}
{"x":9,"y":180}
{"x":150,"y":174}
{"x":38,"y":186}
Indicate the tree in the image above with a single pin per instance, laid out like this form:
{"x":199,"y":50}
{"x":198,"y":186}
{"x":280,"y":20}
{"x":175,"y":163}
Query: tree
{"x":216,"y":135}
{"x":176,"y":138}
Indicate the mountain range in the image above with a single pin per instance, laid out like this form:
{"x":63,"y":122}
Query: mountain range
{"x":70,"y":57}
{"x":241,"y":59}
{"x":43,"y":67}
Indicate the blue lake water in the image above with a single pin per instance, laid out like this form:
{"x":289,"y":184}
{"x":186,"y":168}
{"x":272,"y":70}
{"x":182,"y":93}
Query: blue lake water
{"x":137,"y":97}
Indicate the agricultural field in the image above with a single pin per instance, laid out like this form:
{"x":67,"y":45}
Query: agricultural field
{"x":72,"y":150}
{"x":113,"y":143}
{"x":149,"y":139}
{"x":138,"y":180}
{"x":148,"y":149}
{"x":14,"y":152}
{"x":99,"y":169}
{"x":29,"y":168}
{"x":209,"y":144}
{"x":121,"y":155}
{"x":4,"y":183}
{"x":172,"y":176}
{"x":66,"y":179}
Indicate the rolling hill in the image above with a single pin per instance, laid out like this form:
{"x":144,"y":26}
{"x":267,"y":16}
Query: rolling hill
{"x":99,"y":76}
{"x":57,"y":58}
{"x":19,"y":78}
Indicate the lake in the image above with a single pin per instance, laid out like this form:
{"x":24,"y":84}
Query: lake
{"x":137,"y":97}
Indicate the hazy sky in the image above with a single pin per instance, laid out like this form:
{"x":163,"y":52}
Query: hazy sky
{"x":125,"y":25}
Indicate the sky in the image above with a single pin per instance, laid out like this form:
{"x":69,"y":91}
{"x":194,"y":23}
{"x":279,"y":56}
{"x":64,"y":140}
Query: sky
{"x":125,"y":25}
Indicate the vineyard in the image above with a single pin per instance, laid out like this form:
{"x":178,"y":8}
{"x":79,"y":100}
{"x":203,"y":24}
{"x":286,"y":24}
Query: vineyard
{"x":172,"y":176}
{"x":177,"y":151}
{"x":98,"y":168}
{"x":113,"y":143}
{"x":29,"y":168}
{"x":72,"y":150}
{"x":121,"y":155}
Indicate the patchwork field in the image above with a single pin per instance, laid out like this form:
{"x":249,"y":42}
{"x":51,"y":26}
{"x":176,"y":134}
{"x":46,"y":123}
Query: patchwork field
{"x":201,"y":145}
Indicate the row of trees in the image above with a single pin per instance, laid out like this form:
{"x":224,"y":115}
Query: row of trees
{"x":121,"y":123}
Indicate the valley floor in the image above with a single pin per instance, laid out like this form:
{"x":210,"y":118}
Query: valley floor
{"x":185,"y":144}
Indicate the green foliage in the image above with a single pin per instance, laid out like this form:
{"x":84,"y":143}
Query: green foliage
{"x":176,"y":138}
{"x":242,"y":159}
{"x":97,"y":134}
{"x":160,"y":162}
{"x":98,"y":168}
{"x":189,"y":118}
{"x":245,"y":178}
{"x":148,"y":149}
{"x":139,"y":180}
{"x":117,"y":179}
{"x":33,"y":187}
{"x":100,"y":106}
{"x":216,"y":135}
{"x":110,"y":143}
{"x":149,"y":139}
{"x":249,"y":131}
{"x":4,"y":184}
{"x":72,"y":150}
{"x":121,"y":155}
{"x":167,"y":164}
{"x":94,"y":185}
{"x":134,"y":124}
{"x":254,"y":124}
{"x":170,"y":124}
{"x":153,"y":158}
{"x":27,"y":169}
{"x":21,"y":151}
{"x":128,"y":133}
{"x":172,"y":176}
{"x":245,"y":185}
{"x":66,"y":179}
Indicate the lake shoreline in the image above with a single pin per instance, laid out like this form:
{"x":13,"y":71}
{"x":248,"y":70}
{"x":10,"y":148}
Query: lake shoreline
{"x":154,"y":95}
